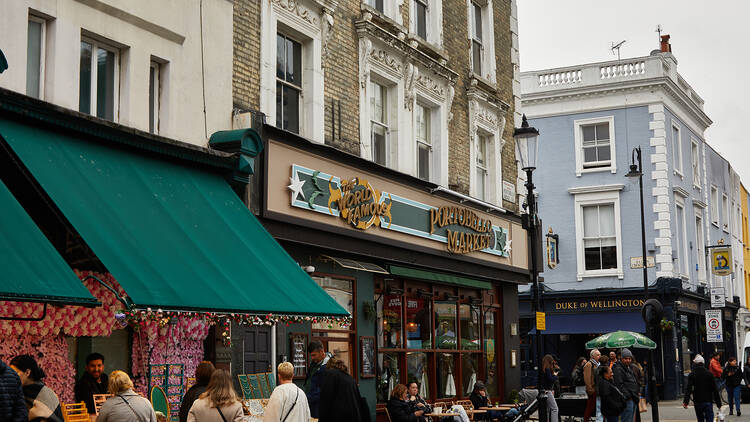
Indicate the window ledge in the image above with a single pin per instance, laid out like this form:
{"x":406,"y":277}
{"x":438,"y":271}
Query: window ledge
{"x":482,"y":83}
{"x":602,"y":273}
{"x":715,"y":223}
{"x":679,"y":174}
{"x":435,"y":51}
{"x":697,"y":186}
{"x":383,"y":18}
{"x":595,"y":170}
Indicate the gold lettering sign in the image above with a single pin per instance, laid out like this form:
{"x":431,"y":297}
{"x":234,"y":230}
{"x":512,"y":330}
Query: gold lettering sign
{"x":359,"y":203}
{"x":459,"y":241}
{"x":599,"y":304}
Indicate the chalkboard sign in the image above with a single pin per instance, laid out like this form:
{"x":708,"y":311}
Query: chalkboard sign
{"x":298,"y":352}
{"x":367,"y":365}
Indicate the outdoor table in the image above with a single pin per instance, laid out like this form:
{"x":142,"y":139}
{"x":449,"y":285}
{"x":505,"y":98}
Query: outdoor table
{"x":475,"y":411}
{"x":502,"y":407}
{"x":442,"y":415}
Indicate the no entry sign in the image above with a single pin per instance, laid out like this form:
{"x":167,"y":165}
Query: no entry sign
{"x":713,"y":326}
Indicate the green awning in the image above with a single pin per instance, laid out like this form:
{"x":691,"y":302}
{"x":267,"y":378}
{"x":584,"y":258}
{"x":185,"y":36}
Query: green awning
{"x":439,"y":277}
{"x":173,"y":236}
{"x":32,"y":270}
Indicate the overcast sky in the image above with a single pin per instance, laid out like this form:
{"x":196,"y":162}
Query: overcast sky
{"x":710,"y":39}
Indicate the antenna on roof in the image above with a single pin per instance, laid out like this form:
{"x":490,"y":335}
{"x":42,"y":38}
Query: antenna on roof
{"x":617,"y":47}
{"x":658,"y":29}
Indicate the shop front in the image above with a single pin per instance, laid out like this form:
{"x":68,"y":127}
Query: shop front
{"x":431,"y":281}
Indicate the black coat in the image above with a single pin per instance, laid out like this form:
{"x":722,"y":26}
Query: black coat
{"x":339,"y":397}
{"x":702,"y":387}
{"x":413,"y":405}
{"x":12,"y":403}
{"x":613,"y":401}
{"x":87,"y":386}
{"x":190,"y":397}
{"x":400,"y":411}
{"x":625,"y":381}
{"x":746,"y":374}
{"x":733,"y":375}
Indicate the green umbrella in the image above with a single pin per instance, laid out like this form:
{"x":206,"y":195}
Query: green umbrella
{"x":620,"y":339}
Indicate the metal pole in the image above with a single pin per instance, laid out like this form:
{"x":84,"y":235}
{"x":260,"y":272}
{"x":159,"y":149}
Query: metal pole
{"x":537,"y":304}
{"x":653,"y":396}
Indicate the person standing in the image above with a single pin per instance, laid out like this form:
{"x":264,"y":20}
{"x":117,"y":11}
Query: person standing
{"x":746,"y":372}
{"x":603,"y":362}
{"x":625,"y":381}
{"x":219,"y":403}
{"x":125,"y":405}
{"x":12,"y":405}
{"x":318,"y":360}
{"x":417,"y":402}
{"x":288,"y":402}
{"x":733,"y":378}
{"x":41,"y":401}
{"x":339,"y":395}
{"x":202,"y":377}
{"x":612,"y":358}
{"x":612,"y":399}
{"x":702,"y":387}
{"x":576,"y":376}
{"x":93,"y":381}
{"x":548,"y":384}
{"x":589,"y":379}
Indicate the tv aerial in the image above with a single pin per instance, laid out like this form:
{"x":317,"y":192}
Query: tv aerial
{"x":617,"y":47}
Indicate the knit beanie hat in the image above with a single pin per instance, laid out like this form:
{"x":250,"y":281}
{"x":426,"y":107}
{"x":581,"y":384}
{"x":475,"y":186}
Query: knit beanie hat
{"x":626,"y":354}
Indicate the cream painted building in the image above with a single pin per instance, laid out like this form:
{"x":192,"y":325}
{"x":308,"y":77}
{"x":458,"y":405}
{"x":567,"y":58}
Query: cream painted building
{"x":165,"y":70}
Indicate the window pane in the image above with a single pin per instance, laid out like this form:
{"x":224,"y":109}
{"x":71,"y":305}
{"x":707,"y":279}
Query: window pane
{"x":607,"y":220}
{"x":592,"y":254}
{"x":590,"y":221}
{"x":469,"y":319}
{"x":481,"y":151}
{"x":388,"y":375}
{"x":391,"y":321}
{"x":422,"y":122}
{"x":33,"y":59}
{"x":421,"y":19}
{"x":445,"y":321}
{"x":604,"y":153}
{"x":152,"y":95}
{"x":379,"y":140}
{"x":423,"y":158}
{"x":84,"y":84}
{"x":377,"y":4}
{"x":481,"y":185}
{"x":341,"y":291}
{"x":589,"y":133}
{"x":609,"y":257}
{"x":490,"y":354}
{"x":377,"y":102}
{"x":469,"y":369}
{"x":105,"y":84}
{"x":602,"y":131}
{"x":446,"y":382}
{"x":589,"y":154}
{"x":416,"y":367}
{"x":279,"y":105}
{"x":291,"y":109}
{"x":477,"y":21}
{"x":294,"y":62}
{"x":280,"y":56}
{"x":418,"y":326}
{"x":476,"y":54}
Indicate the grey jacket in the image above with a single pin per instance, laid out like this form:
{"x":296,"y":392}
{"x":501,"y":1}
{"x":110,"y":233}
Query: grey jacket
{"x":123,"y":408}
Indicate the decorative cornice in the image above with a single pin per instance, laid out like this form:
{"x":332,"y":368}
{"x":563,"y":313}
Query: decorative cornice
{"x":596,"y":189}
{"x":382,"y":57}
{"x":429,"y":84}
{"x":680,"y":191}
{"x":301,"y":11}
{"x":699,"y":203}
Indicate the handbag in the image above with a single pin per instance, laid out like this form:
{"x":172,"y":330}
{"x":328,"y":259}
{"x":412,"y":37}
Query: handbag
{"x":642,"y":406}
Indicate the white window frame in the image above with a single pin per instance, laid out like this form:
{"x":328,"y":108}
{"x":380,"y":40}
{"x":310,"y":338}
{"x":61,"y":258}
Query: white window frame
{"x":386,"y":124}
{"x":488,"y":59}
{"x":299,"y":88}
{"x":42,"y":52}
{"x":578,"y":135}
{"x":677,"y":149}
{"x":95,"y":45}
{"x":156,"y":66}
{"x":683,"y":260}
{"x":485,"y":139}
{"x":275,"y":18}
{"x":700,"y":244}
{"x":429,"y":142}
{"x":390,"y":8}
{"x":695,"y":161}
{"x":725,"y":212}
{"x":715,"y":206}
{"x":608,"y":195}
{"x":433,"y":21}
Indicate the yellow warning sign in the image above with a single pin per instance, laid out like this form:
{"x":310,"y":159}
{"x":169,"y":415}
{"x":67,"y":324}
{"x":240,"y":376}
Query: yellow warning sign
{"x":541,"y":321}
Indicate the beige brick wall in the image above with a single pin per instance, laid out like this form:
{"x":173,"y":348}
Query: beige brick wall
{"x":246,"y":75}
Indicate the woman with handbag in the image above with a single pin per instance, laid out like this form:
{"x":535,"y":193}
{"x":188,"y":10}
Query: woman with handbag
{"x":218,"y":403}
{"x":288,"y":403}
{"x":612,"y":399}
{"x":125,"y":405}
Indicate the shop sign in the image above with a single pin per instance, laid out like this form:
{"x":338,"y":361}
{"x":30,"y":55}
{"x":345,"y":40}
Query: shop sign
{"x":636,"y":262}
{"x":721,"y":260}
{"x":597,"y":305}
{"x":553,"y":257}
{"x":717,"y":297}
{"x":713,"y":326}
{"x":362,"y":206}
{"x":509,"y":191}
{"x":541,"y":321}
{"x":684,"y":322}
{"x":687,"y":305}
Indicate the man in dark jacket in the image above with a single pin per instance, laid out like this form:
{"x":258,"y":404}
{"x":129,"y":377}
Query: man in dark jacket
{"x":339,"y":395}
{"x":202,"y":377}
{"x":702,"y":387}
{"x":733,"y":376}
{"x":93,"y":381}
{"x":12,"y":404}
{"x":626,"y":382}
{"x":315,"y":373}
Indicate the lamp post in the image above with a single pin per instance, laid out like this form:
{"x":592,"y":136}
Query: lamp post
{"x":636,"y":170}
{"x":527,"y":149}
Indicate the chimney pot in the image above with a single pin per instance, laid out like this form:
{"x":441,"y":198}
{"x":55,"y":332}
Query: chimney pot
{"x":666,"y":47}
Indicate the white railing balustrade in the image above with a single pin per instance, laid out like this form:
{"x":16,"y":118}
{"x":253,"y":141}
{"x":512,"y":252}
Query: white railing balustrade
{"x":560,"y":78}
{"x":622,"y":70}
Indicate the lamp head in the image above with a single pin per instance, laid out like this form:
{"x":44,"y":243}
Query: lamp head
{"x":634,"y":172}
{"x":527,"y":145}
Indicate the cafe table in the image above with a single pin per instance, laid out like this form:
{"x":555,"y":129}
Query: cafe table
{"x":442,"y":415}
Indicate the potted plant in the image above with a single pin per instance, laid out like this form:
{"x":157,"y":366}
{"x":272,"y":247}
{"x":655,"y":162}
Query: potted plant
{"x":666,"y":325}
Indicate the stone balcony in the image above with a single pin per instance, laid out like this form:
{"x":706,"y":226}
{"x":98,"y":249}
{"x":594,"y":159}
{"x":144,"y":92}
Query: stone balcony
{"x":658,"y":67}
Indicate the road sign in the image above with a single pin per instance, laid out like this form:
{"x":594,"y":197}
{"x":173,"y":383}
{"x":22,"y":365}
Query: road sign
{"x":636,"y":262}
{"x":721,"y":260}
{"x":717,"y":297}
{"x":713,"y":326}
{"x":541,"y":321}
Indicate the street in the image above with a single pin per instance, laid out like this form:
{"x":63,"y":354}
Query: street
{"x":672,"y":411}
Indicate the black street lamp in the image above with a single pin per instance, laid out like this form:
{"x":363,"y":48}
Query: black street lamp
{"x":527,"y":151}
{"x":652,"y":307}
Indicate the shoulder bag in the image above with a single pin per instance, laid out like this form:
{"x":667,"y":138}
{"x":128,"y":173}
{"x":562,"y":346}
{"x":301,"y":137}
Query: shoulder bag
{"x":291,"y":408}
{"x":140,"y":418}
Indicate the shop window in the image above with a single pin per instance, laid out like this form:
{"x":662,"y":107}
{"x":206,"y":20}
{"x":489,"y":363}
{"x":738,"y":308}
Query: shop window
{"x":445,"y":325}
{"x":469,"y":372}
{"x":388,"y":375}
{"x":418,"y":327}
{"x":446,"y":381}
{"x":490,"y":354}
{"x":389,"y":310}
{"x":469,"y":319}
{"x":417,"y":371}
{"x":337,"y":339}
{"x":341,"y":291}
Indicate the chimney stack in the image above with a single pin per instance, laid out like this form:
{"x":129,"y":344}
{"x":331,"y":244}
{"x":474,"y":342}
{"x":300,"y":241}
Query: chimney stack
{"x":666,"y":47}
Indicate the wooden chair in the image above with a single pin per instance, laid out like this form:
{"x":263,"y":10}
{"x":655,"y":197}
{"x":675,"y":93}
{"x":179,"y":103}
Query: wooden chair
{"x":99,"y":400}
{"x":468,"y":407}
{"x":75,"y":412}
{"x":388,"y":415}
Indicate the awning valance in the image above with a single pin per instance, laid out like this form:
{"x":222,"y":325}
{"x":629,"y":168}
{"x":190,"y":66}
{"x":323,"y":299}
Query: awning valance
{"x":175,"y":237}
{"x":439,"y":277}
{"x":32,"y":270}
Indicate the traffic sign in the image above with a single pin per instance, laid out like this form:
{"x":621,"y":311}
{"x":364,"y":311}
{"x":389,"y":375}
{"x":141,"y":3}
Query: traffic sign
{"x":713,"y":326}
{"x":717,"y":297}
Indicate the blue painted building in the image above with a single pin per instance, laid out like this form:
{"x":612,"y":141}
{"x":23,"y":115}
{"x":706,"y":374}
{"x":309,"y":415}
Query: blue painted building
{"x":591,"y":118}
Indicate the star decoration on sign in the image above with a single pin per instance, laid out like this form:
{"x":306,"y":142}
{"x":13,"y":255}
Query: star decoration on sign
{"x":506,"y":249}
{"x":296,"y":186}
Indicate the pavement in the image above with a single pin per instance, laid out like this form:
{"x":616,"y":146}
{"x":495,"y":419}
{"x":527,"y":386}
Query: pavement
{"x":672,"y":411}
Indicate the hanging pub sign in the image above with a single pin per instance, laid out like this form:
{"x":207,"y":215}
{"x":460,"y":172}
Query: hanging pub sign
{"x":552,"y":249}
{"x":361,"y":205}
{"x":721,"y":260}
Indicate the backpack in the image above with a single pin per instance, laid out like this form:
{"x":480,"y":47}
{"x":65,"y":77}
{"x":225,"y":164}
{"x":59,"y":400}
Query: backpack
{"x":613,"y":407}
{"x":578,"y":377}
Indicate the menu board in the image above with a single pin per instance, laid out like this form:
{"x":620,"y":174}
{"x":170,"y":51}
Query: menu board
{"x":367,"y":366}
{"x":298,"y":352}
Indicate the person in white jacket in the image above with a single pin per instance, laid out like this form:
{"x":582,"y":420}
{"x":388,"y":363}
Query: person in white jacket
{"x":288,"y":403}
